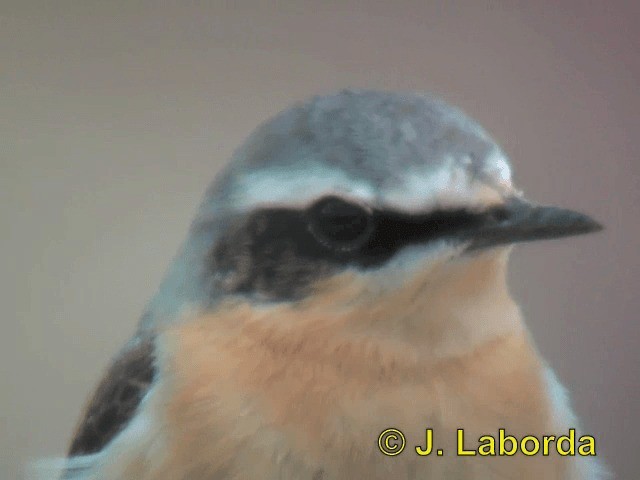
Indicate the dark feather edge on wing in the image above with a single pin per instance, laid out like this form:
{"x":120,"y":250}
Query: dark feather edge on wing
{"x":116,"y":397}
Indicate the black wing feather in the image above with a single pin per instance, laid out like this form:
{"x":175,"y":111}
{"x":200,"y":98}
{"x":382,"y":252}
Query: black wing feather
{"x":116,"y":398}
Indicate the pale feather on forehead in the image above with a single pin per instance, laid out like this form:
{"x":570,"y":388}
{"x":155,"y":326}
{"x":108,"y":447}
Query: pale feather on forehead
{"x":401,"y":150}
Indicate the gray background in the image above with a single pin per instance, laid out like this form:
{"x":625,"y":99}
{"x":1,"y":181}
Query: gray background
{"x":114,"y":116}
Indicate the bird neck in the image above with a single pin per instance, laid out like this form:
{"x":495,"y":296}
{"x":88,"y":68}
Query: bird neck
{"x":446,"y":312}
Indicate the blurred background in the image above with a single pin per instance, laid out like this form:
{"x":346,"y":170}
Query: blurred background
{"x":114,"y":116}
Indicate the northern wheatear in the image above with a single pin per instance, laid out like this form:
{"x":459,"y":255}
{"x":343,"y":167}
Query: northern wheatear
{"x":344,"y":277}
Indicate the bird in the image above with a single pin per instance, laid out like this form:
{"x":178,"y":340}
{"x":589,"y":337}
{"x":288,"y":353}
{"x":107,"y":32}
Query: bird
{"x":345,"y":275}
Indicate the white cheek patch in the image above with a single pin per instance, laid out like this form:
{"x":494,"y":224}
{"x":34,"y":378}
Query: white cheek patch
{"x":410,"y":262}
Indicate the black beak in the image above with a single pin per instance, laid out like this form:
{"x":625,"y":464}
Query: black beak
{"x":521,"y":221}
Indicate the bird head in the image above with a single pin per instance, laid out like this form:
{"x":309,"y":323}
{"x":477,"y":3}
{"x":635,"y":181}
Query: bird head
{"x":361,"y":198}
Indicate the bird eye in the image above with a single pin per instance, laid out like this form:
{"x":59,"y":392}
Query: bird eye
{"x":338,"y":224}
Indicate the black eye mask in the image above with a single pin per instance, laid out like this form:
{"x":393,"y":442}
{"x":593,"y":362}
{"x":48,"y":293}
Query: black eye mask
{"x":279,"y":252}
